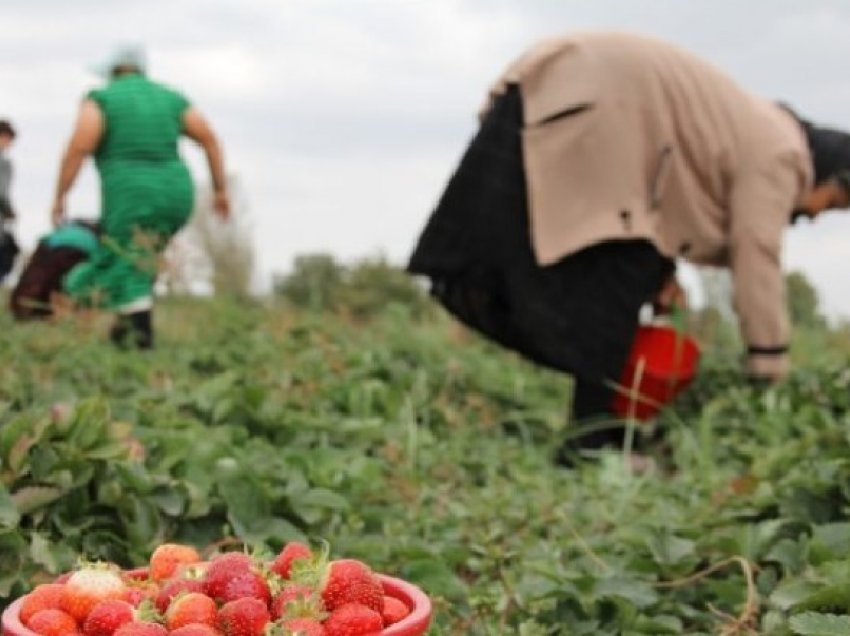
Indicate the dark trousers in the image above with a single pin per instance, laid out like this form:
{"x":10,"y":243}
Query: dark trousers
{"x":578,"y":315}
{"x":40,"y":279}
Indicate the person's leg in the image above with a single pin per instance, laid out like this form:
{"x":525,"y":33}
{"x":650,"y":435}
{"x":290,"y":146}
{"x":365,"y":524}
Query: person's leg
{"x":133,"y":330}
{"x":131,"y":283}
{"x":133,"y":327}
{"x":610,"y":283}
{"x":592,"y":422}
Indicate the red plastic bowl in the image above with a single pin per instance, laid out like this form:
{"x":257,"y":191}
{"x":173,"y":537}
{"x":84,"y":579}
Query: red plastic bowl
{"x":414,"y":624}
{"x":662,"y":362}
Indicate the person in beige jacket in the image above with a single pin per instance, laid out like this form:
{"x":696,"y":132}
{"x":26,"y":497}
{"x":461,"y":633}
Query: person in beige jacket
{"x":601,"y":159}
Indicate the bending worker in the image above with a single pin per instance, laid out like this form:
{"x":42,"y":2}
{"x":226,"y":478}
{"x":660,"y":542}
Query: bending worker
{"x":601,"y":158}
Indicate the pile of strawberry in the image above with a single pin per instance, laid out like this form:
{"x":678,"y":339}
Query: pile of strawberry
{"x":233,"y":594}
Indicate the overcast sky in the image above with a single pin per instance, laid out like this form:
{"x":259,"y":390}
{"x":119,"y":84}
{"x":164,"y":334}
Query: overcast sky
{"x":343,"y":118}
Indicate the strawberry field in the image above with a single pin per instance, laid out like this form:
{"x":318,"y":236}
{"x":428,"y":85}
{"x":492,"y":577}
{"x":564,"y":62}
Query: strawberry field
{"x":404,"y":440}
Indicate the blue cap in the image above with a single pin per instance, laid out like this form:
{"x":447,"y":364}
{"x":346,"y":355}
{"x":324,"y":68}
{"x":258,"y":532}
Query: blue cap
{"x":129,"y":55}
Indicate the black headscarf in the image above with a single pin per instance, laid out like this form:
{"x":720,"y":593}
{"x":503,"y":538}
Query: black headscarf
{"x":830,"y":150}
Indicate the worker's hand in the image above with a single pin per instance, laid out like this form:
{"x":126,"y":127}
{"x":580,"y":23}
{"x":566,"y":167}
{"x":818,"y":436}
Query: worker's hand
{"x":671,"y":295}
{"x":221,"y":204}
{"x":57,"y":213}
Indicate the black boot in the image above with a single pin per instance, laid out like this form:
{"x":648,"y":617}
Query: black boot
{"x":592,"y":412}
{"x":133,"y":330}
{"x":599,"y":427}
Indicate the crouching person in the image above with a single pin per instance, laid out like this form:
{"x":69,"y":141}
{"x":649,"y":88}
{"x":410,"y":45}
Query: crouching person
{"x":57,"y":253}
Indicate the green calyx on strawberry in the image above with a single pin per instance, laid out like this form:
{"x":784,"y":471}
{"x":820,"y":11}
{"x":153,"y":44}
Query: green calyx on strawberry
{"x":141,"y":591}
{"x":340,"y":582}
{"x":297,"y":601}
{"x":289,"y":554}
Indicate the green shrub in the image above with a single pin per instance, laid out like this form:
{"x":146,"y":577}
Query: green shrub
{"x":362,"y":289}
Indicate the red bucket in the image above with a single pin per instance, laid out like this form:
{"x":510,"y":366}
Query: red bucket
{"x":414,"y":624}
{"x":662,"y":362}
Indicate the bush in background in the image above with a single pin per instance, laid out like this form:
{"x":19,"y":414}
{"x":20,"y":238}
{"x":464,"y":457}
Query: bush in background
{"x":362,"y":289}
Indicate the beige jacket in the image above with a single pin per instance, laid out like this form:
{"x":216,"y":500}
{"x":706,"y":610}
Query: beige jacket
{"x":629,"y":137}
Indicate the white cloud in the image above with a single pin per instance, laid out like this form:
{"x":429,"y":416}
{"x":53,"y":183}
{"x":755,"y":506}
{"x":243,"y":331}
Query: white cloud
{"x":343,"y":118}
{"x":227,"y":73}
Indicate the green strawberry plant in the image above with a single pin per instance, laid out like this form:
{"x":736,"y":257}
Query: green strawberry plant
{"x":412,"y":444}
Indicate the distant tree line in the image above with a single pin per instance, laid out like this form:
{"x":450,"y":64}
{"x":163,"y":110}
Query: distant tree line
{"x":320,"y":282}
{"x":814,"y":337}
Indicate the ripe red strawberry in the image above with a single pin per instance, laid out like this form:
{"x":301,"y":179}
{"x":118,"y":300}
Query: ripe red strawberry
{"x":140,"y":591}
{"x":292,"y":551}
{"x":141,"y":628}
{"x":171,"y":589}
{"x":354,"y":619}
{"x":90,"y":585}
{"x":394,"y":610}
{"x":193,"y":607}
{"x":107,"y":616}
{"x":44,"y":596}
{"x":243,"y":617}
{"x":223,"y":568}
{"x":351,"y":581}
{"x":52,"y":622}
{"x":297,"y":597}
{"x":303,"y":627}
{"x":246,"y":584}
{"x":167,"y":557}
{"x":195,"y":629}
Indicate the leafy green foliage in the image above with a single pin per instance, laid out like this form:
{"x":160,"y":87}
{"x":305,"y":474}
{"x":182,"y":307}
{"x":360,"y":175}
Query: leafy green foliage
{"x":362,"y":289}
{"x":314,"y":282}
{"x":427,"y":452}
{"x":812,"y":624}
{"x":803,"y":301}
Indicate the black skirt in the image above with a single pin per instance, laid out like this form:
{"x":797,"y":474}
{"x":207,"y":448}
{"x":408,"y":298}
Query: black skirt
{"x":578,"y":315}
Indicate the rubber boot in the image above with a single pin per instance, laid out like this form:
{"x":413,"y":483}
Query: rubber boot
{"x":133,"y":330}
{"x":591,"y":408}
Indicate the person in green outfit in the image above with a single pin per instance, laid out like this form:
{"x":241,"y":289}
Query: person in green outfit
{"x":131,"y":127}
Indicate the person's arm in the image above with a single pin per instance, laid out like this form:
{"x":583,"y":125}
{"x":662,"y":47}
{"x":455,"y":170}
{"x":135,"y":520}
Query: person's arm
{"x":6,"y":210}
{"x":195,"y":127}
{"x":85,"y":138}
{"x":761,"y":204}
{"x":671,"y":296}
